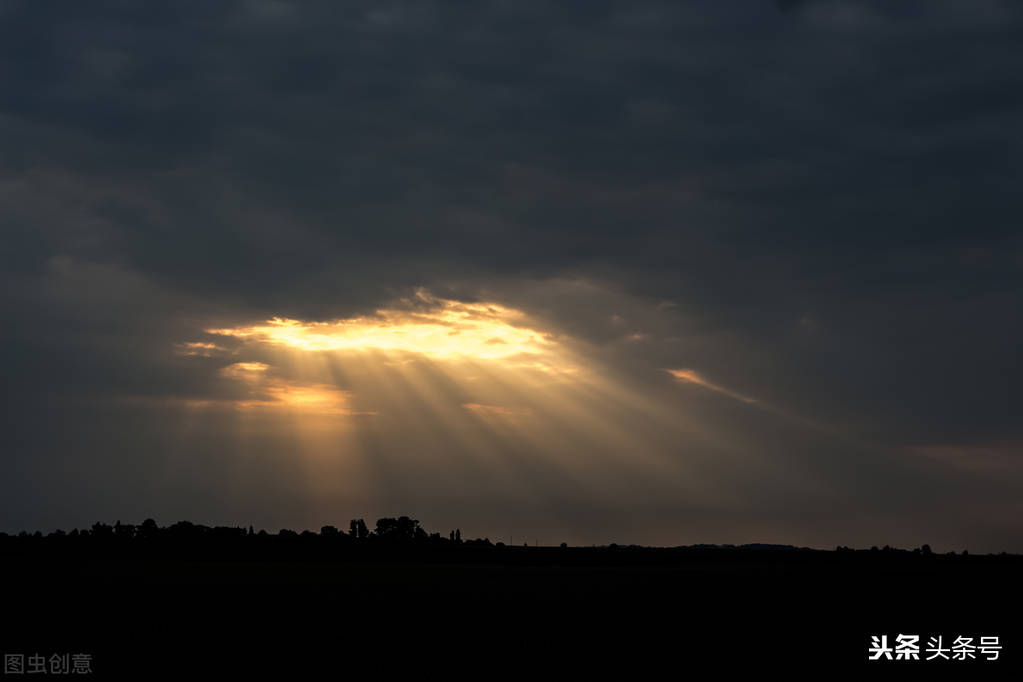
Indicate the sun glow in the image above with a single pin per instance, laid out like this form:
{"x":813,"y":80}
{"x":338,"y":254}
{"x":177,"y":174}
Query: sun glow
{"x":460,"y":343}
{"x":267,"y":392}
{"x":445,"y":329}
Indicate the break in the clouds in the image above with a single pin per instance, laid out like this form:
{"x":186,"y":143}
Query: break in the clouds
{"x":720,"y":272}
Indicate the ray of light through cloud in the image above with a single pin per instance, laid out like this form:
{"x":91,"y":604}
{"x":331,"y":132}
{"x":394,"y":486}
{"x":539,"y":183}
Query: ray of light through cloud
{"x":474,"y":386}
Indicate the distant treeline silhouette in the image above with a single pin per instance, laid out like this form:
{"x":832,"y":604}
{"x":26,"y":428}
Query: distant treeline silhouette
{"x":401,"y":535}
{"x":402,"y":530}
{"x":391,"y":536}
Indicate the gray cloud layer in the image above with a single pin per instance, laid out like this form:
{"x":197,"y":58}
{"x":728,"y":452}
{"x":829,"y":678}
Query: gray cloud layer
{"x":816,"y":204}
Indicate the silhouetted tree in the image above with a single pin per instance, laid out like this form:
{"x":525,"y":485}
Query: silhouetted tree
{"x":401,"y":528}
{"x":386,"y":526}
{"x":357,"y":528}
{"x":148,"y":529}
{"x":124,"y":531}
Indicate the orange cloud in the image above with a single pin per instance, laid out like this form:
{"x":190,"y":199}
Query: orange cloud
{"x":246,"y":371}
{"x":431,"y":326}
{"x":205,"y":350}
{"x":691,"y":377}
{"x":276,"y":393}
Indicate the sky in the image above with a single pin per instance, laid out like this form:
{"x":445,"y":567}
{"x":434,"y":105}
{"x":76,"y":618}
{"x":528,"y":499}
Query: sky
{"x":637,"y":272}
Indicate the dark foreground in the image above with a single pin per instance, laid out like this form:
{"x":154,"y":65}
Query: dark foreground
{"x":332,"y":606}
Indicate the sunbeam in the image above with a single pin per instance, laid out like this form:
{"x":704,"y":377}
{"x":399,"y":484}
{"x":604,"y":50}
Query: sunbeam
{"x":431,"y":385}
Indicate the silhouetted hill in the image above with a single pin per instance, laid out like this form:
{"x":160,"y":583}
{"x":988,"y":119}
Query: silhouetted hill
{"x":392,"y":536}
{"x":237,"y":602}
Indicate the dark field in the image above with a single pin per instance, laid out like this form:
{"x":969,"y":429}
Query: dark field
{"x":302,"y":605}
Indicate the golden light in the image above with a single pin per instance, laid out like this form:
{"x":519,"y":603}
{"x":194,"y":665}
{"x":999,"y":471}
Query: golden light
{"x":198,"y":348}
{"x":689,"y":376}
{"x":499,"y":414}
{"x":436,"y":403}
{"x":430,"y":393}
{"x":276,"y":393}
{"x":308,"y":398}
{"x":445,"y":329}
{"x":245,"y":370}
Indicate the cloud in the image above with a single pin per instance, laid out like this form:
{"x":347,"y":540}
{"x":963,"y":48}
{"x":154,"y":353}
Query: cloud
{"x":199,"y":348}
{"x":245,"y":370}
{"x":430,"y":326}
{"x":1003,"y":458}
{"x":689,"y":376}
{"x":499,"y":413}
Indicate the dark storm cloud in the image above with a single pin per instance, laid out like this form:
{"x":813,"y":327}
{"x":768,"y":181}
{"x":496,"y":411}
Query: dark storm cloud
{"x":826,"y":192}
